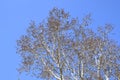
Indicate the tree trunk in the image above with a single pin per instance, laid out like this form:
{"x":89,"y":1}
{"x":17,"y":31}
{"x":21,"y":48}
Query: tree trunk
{"x":98,"y":69}
{"x":82,"y":70}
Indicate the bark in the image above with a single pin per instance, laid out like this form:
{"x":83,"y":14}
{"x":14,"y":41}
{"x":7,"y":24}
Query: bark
{"x":98,"y":67}
{"x":106,"y":77}
{"x":82,"y":70}
{"x":61,"y":74}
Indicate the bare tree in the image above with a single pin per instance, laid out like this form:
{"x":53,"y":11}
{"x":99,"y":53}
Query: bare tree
{"x":64,"y":48}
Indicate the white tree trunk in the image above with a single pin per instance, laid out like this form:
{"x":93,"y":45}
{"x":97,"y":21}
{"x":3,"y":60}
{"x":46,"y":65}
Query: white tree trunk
{"x":98,"y":65}
{"x":82,"y":69}
{"x":98,"y":68}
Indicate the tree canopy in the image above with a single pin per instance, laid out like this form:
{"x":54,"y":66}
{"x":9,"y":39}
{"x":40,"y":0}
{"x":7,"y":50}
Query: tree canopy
{"x":64,"y":48}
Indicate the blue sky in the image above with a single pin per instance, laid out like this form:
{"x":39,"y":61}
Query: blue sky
{"x":15,"y":16}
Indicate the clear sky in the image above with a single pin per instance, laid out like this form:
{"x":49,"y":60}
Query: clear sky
{"x":15,"y":16}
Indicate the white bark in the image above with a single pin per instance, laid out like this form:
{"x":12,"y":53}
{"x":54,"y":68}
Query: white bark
{"x":82,"y":69}
{"x":55,"y":75}
{"x":98,"y":68}
{"x":106,"y":77}
{"x":98,"y":65}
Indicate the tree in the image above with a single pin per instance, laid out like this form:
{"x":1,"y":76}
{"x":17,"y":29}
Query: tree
{"x":64,"y":48}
